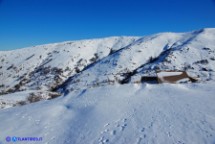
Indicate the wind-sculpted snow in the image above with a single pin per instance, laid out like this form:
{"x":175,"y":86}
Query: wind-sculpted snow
{"x":131,"y":114}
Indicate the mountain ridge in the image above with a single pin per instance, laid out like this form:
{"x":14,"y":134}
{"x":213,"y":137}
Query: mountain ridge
{"x":87,"y":63}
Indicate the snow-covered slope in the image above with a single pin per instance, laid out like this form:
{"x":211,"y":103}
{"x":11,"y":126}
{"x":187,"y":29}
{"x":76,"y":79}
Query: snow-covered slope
{"x":193,"y":52}
{"x":123,"y":114}
{"x":46,"y":66}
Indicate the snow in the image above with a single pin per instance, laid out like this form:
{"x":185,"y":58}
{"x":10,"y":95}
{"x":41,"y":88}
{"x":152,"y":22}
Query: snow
{"x":166,"y":113}
{"x":165,"y":74}
{"x":184,"y":80}
{"x":63,"y":55}
{"x":173,"y":51}
{"x":102,"y":98}
{"x":9,"y":100}
{"x":14,"y":99}
{"x":86,"y":63}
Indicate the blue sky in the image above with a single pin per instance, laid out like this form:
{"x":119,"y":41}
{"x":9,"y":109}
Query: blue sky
{"x":31,"y":22}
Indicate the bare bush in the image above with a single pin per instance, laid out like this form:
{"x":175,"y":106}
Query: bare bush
{"x":205,"y":61}
{"x":53,"y":95}
{"x":34,"y":98}
{"x":21,"y":103}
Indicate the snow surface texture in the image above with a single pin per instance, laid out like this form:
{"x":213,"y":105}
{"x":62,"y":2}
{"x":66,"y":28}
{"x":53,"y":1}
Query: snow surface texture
{"x":103,"y":98}
{"x":120,"y":114}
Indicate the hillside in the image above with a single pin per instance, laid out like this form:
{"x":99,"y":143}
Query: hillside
{"x":87,"y":63}
{"x":92,"y":91}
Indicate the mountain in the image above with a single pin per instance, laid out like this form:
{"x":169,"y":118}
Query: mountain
{"x":91,"y":91}
{"x":87,"y":63}
{"x":46,"y":66}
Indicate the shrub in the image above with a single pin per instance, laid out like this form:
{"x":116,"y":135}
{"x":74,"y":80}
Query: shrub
{"x":204,"y":69}
{"x":77,"y":70}
{"x":53,"y":95}
{"x":67,"y":69}
{"x":212,"y":58}
{"x":10,"y":90}
{"x":30,"y":57}
{"x":34,"y":98}
{"x":205,"y":61}
{"x":205,"y":48}
{"x":152,"y":59}
{"x":21,"y":103}
{"x":10,"y":67}
{"x":17,"y":87}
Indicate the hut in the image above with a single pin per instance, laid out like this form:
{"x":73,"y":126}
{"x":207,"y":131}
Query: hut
{"x":168,"y":77}
{"x":174,"y":77}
